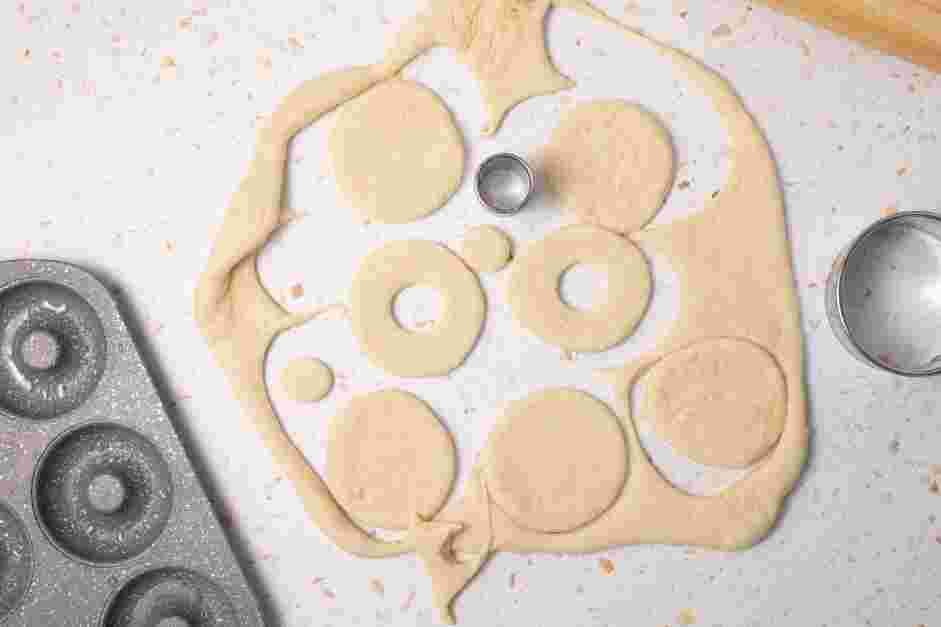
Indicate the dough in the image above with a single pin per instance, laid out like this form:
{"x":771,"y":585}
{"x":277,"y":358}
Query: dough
{"x":533,"y":288}
{"x":486,"y":248}
{"x":733,"y":258}
{"x":501,"y":41}
{"x":719,"y":402}
{"x":436,"y":350}
{"x":556,"y":460}
{"x":610,"y":163}
{"x":388,"y":459}
{"x":307,"y":380}
{"x":395,"y":152}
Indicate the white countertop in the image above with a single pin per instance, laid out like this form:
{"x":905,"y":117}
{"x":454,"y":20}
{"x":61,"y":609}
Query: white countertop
{"x":113,"y":163}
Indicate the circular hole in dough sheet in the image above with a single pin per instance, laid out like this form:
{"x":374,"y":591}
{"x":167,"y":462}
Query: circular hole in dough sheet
{"x":389,"y":458}
{"x":533,"y":289}
{"x":432,"y":351}
{"x":416,"y":308}
{"x":580,"y":285}
{"x":556,"y":460}
{"x":486,"y":248}
{"x":307,"y":380}
{"x":396,"y":153}
{"x":610,"y":163}
{"x":720,"y":402}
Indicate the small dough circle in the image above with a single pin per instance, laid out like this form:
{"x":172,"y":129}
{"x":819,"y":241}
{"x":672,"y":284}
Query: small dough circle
{"x":388,"y":458}
{"x":610,"y":163}
{"x":556,"y":460}
{"x":720,"y":402}
{"x":418,"y":161}
{"x":533,"y":289}
{"x":432,"y":351}
{"x":307,"y":380}
{"x":486,"y":248}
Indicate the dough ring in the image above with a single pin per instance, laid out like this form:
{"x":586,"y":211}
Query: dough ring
{"x":533,"y":291}
{"x":436,"y":350}
{"x":388,"y":458}
{"x":556,"y":460}
{"x":720,"y":402}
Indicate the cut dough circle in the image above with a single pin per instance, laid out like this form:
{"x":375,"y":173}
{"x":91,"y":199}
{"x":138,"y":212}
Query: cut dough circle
{"x":556,"y":460}
{"x":720,"y":402}
{"x":610,"y":163}
{"x":307,"y":380}
{"x":486,"y":248}
{"x":389,"y":458}
{"x":417,"y":164}
{"x":533,"y":290}
{"x":441,"y":347}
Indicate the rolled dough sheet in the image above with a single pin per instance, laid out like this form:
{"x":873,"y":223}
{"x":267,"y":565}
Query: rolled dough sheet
{"x":389,"y":458}
{"x":533,"y":288}
{"x":417,"y":164}
{"x":486,"y":248}
{"x":437,"y":350}
{"x":307,"y":380}
{"x":733,"y":258}
{"x":610,"y":163}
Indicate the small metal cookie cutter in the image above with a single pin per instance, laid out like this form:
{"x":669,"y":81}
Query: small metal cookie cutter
{"x":884,"y":295}
{"x":504,"y":183}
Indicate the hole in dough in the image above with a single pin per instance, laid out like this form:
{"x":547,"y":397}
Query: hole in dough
{"x":416,"y":308}
{"x":388,"y":458}
{"x":539,"y":477}
{"x":581,"y":285}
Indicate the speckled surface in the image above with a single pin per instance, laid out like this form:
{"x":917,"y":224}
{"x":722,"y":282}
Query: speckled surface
{"x":80,"y":554}
{"x":126,"y":128}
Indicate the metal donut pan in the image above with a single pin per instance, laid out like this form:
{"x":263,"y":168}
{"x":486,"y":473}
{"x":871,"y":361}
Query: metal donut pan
{"x":101,"y":505}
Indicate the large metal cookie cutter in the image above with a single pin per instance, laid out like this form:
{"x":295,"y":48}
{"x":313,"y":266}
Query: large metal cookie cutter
{"x":884,"y":295}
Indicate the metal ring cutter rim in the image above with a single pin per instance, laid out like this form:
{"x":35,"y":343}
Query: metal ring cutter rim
{"x":530,"y":176}
{"x":854,"y":247}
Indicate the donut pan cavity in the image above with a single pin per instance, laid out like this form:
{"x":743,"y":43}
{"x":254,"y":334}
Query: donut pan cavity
{"x":103,"y":521}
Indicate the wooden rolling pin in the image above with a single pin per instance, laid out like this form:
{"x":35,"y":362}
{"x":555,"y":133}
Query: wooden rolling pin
{"x":907,"y":28}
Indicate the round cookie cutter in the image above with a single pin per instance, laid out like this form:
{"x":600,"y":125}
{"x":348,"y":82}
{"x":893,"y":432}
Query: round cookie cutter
{"x":883,"y":295}
{"x":504,"y":183}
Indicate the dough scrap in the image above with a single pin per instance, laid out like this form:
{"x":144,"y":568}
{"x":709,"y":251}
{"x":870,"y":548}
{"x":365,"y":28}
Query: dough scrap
{"x":307,"y":380}
{"x":501,"y":41}
{"x":610,"y":163}
{"x":418,"y":163}
{"x":389,"y":458}
{"x":533,"y":288}
{"x":486,"y":248}
{"x":720,"y":402}
{"x":556,"y":460}
{"x":436,"y":350}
